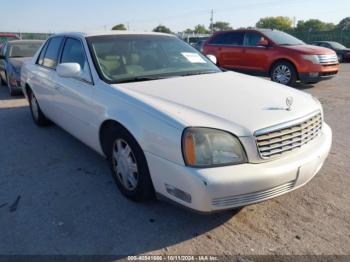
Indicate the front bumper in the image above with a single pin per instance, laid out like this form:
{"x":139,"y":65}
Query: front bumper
{"x":15,"y":84}
{"x":221,"y":188}
{"x":315,"y":77}
{"x":317,"y":73}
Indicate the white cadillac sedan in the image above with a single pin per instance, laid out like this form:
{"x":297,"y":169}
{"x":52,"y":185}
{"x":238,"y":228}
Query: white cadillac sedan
{"x":172,"y":124}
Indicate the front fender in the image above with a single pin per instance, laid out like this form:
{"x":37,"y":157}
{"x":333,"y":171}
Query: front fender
{"x":154,"y":135}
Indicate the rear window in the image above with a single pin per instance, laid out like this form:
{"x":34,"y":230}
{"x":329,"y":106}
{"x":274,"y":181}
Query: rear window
{"x":232,"y":39}
{"x":52,"y":52}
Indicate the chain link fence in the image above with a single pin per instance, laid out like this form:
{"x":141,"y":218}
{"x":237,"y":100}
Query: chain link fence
{"x":341,"y":36}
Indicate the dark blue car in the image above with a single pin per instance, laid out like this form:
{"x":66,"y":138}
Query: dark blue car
{"x":12,"y":56}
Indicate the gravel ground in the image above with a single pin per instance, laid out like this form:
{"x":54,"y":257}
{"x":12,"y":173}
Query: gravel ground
{"x":57,"y":197}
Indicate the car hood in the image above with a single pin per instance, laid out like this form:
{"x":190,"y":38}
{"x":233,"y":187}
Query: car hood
{"x":230,"y":101}
{"x":18,"y":62}
{"x":347,"y":50}
{"x":311,"y":49}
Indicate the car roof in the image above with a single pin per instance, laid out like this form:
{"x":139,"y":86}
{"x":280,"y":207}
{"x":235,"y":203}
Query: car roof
{"x":262,"y":30}
{"x":108,"y":33}
{"x":2,"y":34}
{"x":25,"y":41}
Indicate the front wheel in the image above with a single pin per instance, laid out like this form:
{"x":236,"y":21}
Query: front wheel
{"x":10,"y":89}
{"x":340,"y":58}
{"x":38,"y":116}
{"x":284,"y":73}
{"x":129,"y":165}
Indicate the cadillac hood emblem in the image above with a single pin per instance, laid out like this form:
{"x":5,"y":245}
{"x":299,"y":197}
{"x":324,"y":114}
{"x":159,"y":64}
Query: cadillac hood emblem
{"x":289,"y":103}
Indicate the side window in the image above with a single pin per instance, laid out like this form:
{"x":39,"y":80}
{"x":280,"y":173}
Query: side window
{"x":52,"y":52}
{"x":252,"y":39}
{"x":73,"y":52}
{"x":235,"y":38}
{"x":219,"y":39}
{"x":42,"y":53}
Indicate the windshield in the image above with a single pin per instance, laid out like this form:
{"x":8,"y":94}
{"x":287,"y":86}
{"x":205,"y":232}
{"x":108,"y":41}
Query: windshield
{"x":4,"y":39}
{"x":23,"y":49}
{"x":282,"y":38}
{"x":127,"y":58}
{"x":336,"y":45}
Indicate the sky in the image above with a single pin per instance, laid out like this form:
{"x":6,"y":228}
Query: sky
{"x":143,"y":15}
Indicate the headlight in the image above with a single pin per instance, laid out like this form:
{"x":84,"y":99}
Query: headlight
{"x":313,"y":58}
{"x":205,"y":147}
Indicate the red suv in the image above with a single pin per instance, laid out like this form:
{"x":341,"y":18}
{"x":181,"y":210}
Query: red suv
{"x":272,"y":53}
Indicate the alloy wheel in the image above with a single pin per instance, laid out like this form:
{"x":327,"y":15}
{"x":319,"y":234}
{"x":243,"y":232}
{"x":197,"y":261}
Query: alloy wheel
{"x":282,"y":74}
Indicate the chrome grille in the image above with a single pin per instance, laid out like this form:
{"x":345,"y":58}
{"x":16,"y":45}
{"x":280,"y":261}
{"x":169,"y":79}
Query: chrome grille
{"x":328,"y":59}
{"x":273,"y":142}
{"x":240,"y":200}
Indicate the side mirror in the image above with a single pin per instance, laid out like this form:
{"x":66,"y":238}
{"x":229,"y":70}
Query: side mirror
{"x":2,"y":57}
{"x":69,"y":70}
{"x":213,"y":59}
{"x":264,"y":43}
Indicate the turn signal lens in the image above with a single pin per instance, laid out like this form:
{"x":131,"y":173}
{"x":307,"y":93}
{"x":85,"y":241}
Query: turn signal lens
{"x":190,"y":152}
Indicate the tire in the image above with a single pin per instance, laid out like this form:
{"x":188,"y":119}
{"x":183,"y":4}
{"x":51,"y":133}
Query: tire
{"x":340,"y":58}
{"x":37,"y":115}
{"x":128,"y":165}
{"x":10,"y":90}
{"x":284,"y":73}
{"x":2,"y":82}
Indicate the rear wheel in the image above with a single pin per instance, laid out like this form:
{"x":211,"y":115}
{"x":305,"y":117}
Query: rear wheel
{"x":284,"y":73}
{"x":38,"y":116}
{"x":129,"y":165}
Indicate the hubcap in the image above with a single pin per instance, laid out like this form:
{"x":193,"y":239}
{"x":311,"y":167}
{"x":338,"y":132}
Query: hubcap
{"x":282,"y":74}
{"x":124,"y":164}
{"x":34,"y":106}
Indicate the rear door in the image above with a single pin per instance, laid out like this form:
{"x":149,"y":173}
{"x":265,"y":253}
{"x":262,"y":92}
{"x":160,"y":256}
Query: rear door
{"x":256,"y":57}
{"x":229,"y":49}
{"x":44,"y":82}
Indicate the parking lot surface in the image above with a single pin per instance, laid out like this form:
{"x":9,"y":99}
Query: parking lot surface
{"x":57,"y":197}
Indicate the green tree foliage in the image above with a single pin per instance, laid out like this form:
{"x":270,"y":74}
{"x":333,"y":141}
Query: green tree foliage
{"x":188,"y":31}
{"x":119,"y":27}
{"x":221,"y":26}
{"x":314,"y":25}
{"x":344,"y":24}
{"x":282,"y":23}
{"x":162,"y":29}
{"x":201,"y":29}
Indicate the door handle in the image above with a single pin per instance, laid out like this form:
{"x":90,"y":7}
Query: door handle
{"x":56,"y":87}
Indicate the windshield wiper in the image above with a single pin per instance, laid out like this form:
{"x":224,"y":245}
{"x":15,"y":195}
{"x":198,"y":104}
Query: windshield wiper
{"x":200,"y":73}
{"x":139,"y":79}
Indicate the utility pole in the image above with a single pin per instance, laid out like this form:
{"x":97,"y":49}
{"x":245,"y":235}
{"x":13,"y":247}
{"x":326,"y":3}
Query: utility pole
{"x":212,"y":21}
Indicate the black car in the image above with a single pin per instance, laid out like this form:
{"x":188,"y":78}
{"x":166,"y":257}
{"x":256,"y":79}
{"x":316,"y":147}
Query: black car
{"x":343,"y":52}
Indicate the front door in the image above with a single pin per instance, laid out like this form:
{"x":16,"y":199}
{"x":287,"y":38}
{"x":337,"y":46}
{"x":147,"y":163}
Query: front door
{"x":73,"y":95}
{"x":256,"y":57}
